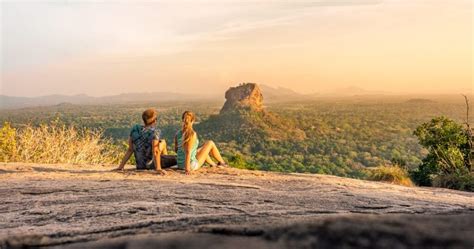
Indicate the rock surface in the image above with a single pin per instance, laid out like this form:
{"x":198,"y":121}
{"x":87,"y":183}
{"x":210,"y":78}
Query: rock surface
{"x":91,"y":207}
{"x":246,"y":96}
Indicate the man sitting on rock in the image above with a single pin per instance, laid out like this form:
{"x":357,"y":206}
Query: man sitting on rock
{"x":147,"y":146}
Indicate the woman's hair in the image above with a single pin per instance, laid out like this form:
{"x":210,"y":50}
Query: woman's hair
{"x":149,"y":116}
{"x":188,"y":118}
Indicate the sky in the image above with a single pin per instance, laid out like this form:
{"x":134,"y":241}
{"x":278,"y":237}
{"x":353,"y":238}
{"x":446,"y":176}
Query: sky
{"x":110,"y":47}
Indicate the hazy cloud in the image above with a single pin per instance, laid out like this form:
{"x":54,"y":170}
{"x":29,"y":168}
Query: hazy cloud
{"x":312,"y":45}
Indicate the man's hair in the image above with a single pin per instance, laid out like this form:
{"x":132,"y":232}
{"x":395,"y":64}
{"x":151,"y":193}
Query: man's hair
{"x":149,"y":116}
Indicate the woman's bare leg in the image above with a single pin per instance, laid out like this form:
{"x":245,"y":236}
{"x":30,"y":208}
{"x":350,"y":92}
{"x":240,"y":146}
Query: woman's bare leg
{"x":215,"y":152}
{"x":209,"y":148}
{"x":208,"y":159}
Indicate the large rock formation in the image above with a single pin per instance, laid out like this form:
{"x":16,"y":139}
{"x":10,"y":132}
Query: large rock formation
{"x":246,"y":96}
{"x":242,"y":119}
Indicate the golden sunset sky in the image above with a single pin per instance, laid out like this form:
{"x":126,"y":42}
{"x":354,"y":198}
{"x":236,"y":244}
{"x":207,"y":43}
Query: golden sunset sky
{"x":203,"y":47}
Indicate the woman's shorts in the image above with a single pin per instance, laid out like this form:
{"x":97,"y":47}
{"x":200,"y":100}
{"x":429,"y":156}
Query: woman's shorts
{"x":194,"y":165}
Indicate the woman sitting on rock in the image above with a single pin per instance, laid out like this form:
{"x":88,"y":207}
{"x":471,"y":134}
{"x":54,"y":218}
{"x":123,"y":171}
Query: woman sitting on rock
{"x":186,"y":142}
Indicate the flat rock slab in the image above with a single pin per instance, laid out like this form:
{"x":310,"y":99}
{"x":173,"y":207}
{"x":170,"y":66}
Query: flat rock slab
{"x":89,"y":206}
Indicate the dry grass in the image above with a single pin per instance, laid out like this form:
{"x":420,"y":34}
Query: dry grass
{"x":391,"y":174}
{"x":54,"y":143}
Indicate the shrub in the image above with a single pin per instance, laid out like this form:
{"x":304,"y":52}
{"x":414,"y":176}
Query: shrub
{"x":55,"y":143}
{"x":455,"y":181}
{"x":446,"y":142}
{"x":448,"y":152}
{"x":7,"y":143}
{"x":238,"y":161}
{"x":391,"y":174}
{"x":426,"y":171}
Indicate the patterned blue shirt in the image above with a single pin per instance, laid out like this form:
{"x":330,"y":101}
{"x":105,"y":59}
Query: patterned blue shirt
{"x":142,"y":139}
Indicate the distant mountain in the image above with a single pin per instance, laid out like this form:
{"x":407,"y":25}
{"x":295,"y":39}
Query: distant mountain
{"x":279,"y":94}
{"x":273,"y":94}
{"x":354,"y":91}
{"x":9,"y":102}
{"x":149,"y":97}
{"x":420,"y":101}
{"x":351,"y":90}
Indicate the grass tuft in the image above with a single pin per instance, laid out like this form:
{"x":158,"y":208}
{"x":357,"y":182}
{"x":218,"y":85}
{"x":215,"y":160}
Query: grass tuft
{"x":391,"y":174}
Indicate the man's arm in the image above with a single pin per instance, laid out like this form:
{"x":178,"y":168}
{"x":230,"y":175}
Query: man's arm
{"x":127,"y":155}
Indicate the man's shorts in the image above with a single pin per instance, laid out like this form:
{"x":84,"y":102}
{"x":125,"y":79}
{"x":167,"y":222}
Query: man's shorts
{"x":167,"y":161}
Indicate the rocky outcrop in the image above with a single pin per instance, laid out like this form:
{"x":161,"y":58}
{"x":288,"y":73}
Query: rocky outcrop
{"x":246,"y":96}
{"x":243,"y":119}
{"x":66,"y":205}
